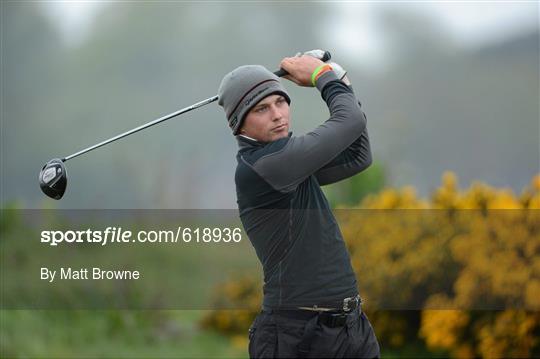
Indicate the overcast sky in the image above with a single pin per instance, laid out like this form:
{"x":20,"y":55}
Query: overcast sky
{"x":470,"y":23}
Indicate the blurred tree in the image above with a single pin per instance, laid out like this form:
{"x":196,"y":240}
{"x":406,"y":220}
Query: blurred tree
{"x":32,"y":61}
{"x":443,"y":106}
{"x":352,"y":190}
{"x":132,"y":69}
{"x":414,"y":39}
{"x":439,"y":106}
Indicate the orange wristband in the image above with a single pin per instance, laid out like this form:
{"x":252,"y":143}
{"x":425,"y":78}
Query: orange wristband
{"x":318,"y":72}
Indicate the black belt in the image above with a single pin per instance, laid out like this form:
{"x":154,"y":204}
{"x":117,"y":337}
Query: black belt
{"x":332,"y":318}
{"x":346,"y":305}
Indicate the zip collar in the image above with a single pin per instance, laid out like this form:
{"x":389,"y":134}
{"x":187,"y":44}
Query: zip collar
{"x":245,"y":142}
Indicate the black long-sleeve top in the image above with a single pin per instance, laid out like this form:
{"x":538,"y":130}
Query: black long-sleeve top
{"x":284,"y":211}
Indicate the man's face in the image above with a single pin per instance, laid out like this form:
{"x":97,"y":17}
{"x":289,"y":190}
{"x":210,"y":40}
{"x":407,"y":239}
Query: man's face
{"x":268,"y":120}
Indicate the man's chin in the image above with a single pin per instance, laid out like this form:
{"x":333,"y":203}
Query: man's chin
{"x":280,"y":134}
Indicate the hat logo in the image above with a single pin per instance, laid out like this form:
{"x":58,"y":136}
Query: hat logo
{"x":249,"y":100}
{"x":233,"y":122}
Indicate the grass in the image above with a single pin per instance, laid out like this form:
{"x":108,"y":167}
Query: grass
{"x":111,"y":334}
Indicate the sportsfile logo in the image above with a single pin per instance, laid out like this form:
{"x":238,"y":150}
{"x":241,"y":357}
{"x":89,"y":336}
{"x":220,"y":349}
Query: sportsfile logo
{"x":109,"y":235}
{"x":119,"y":235}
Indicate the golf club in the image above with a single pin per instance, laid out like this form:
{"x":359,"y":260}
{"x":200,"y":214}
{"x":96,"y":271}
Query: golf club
{"x":53,"y":176}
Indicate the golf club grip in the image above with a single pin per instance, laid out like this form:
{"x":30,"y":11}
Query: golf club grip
{"x":280,"y":73}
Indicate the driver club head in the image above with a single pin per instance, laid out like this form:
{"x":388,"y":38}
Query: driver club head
{"x":53,"y":178}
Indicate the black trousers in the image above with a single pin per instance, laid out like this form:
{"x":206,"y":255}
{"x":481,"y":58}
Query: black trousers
{"x":273,"y":335}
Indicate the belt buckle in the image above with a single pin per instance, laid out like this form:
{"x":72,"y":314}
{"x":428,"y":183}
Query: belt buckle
{"x":346,"y":301}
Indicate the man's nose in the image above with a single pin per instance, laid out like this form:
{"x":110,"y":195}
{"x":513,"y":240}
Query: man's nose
{"x":276,"y":113}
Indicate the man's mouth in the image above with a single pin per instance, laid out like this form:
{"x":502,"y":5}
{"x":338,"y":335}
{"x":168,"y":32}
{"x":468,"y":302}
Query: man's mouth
{"x":280,"y":127}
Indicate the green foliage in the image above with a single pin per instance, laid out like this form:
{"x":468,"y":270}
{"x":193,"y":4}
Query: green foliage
{"x":352,"y":190}
{"x":437,"y":270}
{"x":9,"y":219}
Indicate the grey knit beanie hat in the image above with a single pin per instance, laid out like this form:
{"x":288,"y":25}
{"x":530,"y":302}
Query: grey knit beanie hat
{"x":242,"y":88}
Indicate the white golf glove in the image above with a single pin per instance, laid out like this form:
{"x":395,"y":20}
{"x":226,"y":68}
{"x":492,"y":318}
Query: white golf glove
{"x":338,"y":70}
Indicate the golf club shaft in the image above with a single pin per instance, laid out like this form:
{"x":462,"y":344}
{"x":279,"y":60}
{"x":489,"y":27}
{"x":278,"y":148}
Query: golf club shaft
{"x":142,"y":127}
{"x":279,"y":73}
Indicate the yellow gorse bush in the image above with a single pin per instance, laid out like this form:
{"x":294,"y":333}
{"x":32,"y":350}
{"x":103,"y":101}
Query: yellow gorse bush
{"x":459,"y":271}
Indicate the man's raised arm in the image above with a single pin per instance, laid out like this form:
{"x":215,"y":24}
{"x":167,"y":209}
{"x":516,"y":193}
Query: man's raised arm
{"x":291,"y":160}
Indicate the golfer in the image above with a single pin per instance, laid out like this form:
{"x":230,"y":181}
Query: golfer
{"x":311,"y":305}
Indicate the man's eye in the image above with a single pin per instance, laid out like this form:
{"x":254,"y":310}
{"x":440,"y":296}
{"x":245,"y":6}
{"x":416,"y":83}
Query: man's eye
{"x":260,"y":109}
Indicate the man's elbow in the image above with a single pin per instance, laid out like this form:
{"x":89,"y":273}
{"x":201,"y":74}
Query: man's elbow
{"x":360,"y":117}
{"x":364,"y":161}
{"x":363,"y":118}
